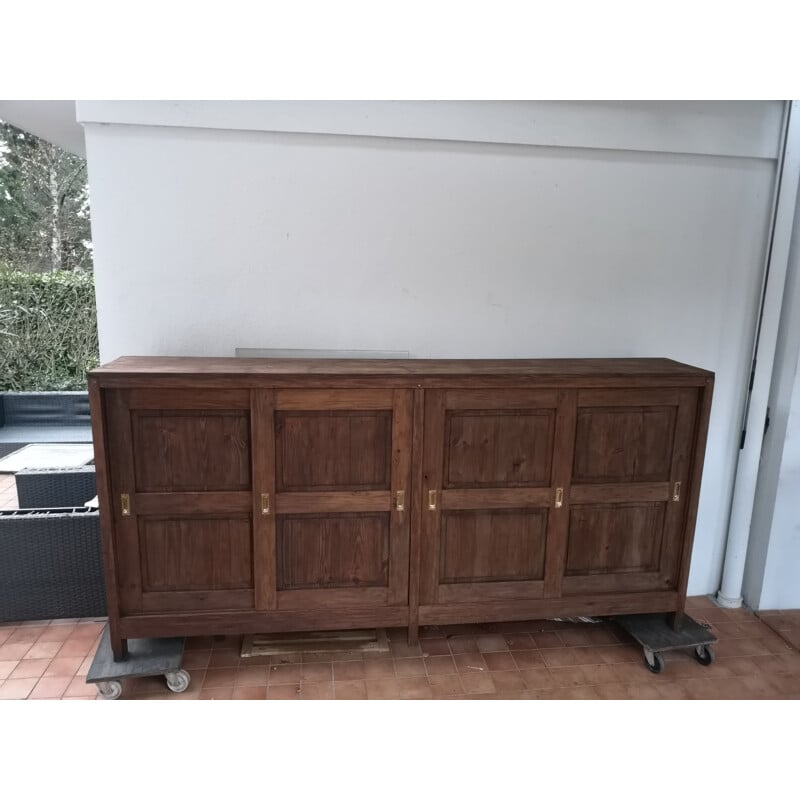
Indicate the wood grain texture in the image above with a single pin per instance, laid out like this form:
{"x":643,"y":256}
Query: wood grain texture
{"x":521,"y":609}
{"x":332,"y":551}
{"x":205,"y":554}
{"x":332,"y":502}
{"x":558,"y":520}
{"x":400,"y":519}
{"x":497,"y":545}
{"x":185,"y":451}
{"x":262,"y":426}
{"x":205,"y":623}
{"x":187,"y":400}
{"x":126,"y":534}
{"x":692,"y":496}
{"x":624,"y":445}
{"x":614,"y":538}
{"x":194,"y":502}
{"x":333,"y":450}
{"x":413,"y":368}
{"x":498,"y":448}
{"x":341,"y":598}
{"x":333,"y":400}
{"x":99,"y":418}
{"x":416,"y":527}
{"x":453,"y":499}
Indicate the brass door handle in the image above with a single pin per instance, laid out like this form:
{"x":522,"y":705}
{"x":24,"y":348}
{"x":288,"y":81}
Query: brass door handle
{"x":125,"y":503}
{"x":432,"y":500}
{"x":559,"y":497}
{"x":265,"y":504}
{"x":400,"y":500}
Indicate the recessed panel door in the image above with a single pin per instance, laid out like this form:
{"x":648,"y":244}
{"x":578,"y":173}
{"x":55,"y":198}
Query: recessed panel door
{"x":342,"y":467}
{"x":182,"y":499}
{"x":495,"y":466}
{"x":629,"y":484}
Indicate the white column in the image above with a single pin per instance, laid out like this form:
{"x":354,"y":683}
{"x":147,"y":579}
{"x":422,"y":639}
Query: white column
{"x":730,"y":592}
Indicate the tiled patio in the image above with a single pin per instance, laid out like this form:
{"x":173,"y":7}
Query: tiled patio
{"x":522,"y":660}
{"x":539,"y":659}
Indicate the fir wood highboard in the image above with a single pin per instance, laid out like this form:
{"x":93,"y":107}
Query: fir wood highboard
{"x":265,"y":495}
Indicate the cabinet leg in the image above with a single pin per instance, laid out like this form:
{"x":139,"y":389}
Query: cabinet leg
{"x":119,"y":647}
{"x":676,"y":619}
{"x":413,"y":633}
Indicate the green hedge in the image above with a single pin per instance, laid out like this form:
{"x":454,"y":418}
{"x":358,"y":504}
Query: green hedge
{"x":48,"y":330}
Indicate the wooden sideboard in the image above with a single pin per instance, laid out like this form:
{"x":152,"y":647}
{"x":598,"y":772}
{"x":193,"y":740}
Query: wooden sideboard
{"x":263,"y":495}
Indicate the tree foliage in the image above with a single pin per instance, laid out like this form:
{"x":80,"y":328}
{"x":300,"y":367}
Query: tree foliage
{"x":44,"y":205}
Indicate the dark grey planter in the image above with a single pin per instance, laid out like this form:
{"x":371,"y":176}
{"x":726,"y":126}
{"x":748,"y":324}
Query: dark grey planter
{"x":51,"y":564}
{"x":55,"y":488}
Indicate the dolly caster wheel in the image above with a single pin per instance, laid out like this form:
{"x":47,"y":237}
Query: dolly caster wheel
{"x":178,"y":681}
{"x":654,"y":661}
{"x":109,"y":690}
{"x":705,"y":654}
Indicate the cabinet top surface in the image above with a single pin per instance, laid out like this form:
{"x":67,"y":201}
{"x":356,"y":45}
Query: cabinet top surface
{"x":244,"y":367}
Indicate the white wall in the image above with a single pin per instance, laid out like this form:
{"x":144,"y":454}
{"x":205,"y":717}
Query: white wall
{"x":646,"y":243}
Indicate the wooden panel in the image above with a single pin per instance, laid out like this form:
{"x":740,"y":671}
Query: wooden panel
{"x":432,"y":467}
{"x":695,"y":458}
{"x":660,"y":395}
{"x":197,"y":602}
{"x":654,"y":369}
{"x":195,"y":623}
{"x":218,"y":400}
{"x":558,"y":521}
{"x":333,"y":400}
{"x":588,"y":585}
{"x":454,"y":499}
{"x":479,"y":546}
{"x":523,"y":609}
{"x":484,"y":399}
{"x":100,"y":438}
{"x":264,"y":538}
{"x":319,"y":451}
{"x":126,"y":533}
{"x":614,"y":445}
{"x":191,"y":503}
{"x":342,"y":550}
{"x":332,"y":502}
{"x":400,"y":518}
{"x":489,"y":591}
{"x":614,"y":538}
{"x":621,"y":492}
{"x":416,"y":526}
{"x":303,"y":599}
{"x":204,"y":553}
{"x":498,"y":449}
{"x":191,"y":451}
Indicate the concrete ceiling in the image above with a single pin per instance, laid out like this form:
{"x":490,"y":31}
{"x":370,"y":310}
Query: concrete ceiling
{"x":53,"y":120}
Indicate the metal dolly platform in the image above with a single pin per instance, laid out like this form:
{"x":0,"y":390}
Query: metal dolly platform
{"x":656,"y":635}
{"x":145,"y":657}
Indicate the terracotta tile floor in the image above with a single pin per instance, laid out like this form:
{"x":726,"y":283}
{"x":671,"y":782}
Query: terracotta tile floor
{"x":521,"y":660}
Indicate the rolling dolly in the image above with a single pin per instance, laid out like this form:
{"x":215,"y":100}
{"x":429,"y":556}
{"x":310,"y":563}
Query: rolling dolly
{"x":656,"y":635}
{"x":145,"y":657}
